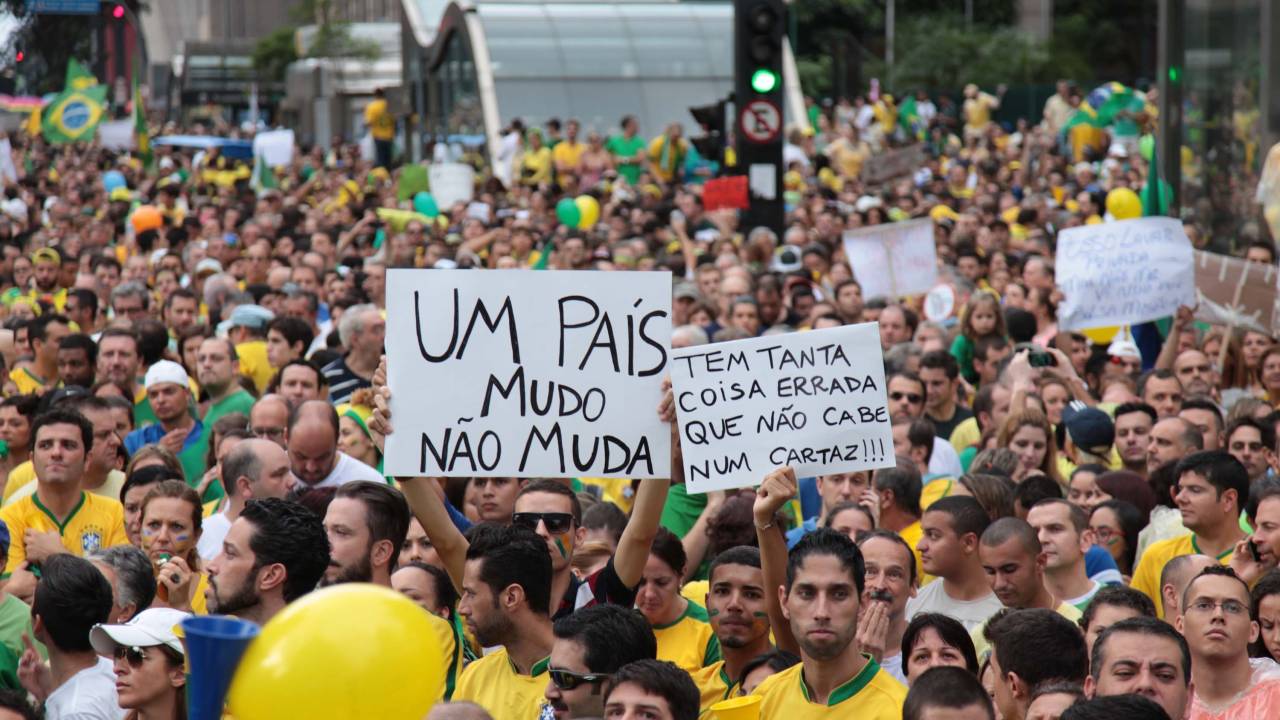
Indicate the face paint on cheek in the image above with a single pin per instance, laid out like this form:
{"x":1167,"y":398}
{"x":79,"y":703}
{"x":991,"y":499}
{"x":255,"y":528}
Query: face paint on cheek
{"x":560,"y":545}
{"x":712,"y":613}
{"x":764,"y":616}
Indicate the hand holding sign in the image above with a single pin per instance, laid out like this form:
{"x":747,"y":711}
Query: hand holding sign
{"x":814,"y":401}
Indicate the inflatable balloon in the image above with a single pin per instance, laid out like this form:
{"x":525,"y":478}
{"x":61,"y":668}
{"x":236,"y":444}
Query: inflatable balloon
{"x":425,"y":204}
{"x":146,"y":217}
{"x":310,"y":661}
{"x":568,"y":213}
{"x":112,"y":179}
{"x":588,"y":211}
{"x":1123,"y":204}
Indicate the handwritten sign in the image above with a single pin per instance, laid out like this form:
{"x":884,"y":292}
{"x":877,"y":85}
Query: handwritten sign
{"x":451,"y":183}
{"x":1237,"y":293}
{"x":725,"y":192}
{"x":1123,"y":272}
{"x":892,"y":164}
{"x":813,"y":400}
{"x":893,"y":260}
{"x":511,"y":373}
{"x":275,"y":147}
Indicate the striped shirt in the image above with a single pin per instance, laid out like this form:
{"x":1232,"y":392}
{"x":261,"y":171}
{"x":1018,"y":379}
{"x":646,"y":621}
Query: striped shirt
{"x":342,"y":381}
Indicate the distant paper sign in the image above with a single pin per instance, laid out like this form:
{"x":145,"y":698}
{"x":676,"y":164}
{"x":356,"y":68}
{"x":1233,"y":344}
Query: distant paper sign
{"x":451,"y":183}
{"x":940,"y":303}
{"x":117,"y":134}
{"x":814,"y":400}
{"x":413,"y":180}
{"x":1123,"y":272}
{"x":509,"y":373}
{"x":893,"y":164}
{"x":726,"y":192}
{"x":1236,"y":293}
{"x":275,"y":147}
{"x":893,"y":260}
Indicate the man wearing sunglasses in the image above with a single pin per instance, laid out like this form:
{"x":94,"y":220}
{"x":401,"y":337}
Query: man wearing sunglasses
{"x":590,"y":646}
{"x":907,"y":399}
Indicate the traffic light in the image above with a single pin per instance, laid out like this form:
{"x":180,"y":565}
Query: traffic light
{"x":759,"y":32}
{"x":117,"y":11}
{"x":19,"y":56}
{"x":710,"y":118}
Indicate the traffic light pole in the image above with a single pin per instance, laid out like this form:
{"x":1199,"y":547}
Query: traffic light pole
{"x":759,"y":32}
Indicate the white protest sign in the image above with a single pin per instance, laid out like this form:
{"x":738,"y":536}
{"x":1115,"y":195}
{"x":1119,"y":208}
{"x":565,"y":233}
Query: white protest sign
{"x":893,"y":260}
{"x":275,"y":147}
{"x":451,"y":183}
{"x":117,"y":134}
{"x":814,"y":400}
{"x":1123,"y":272}
{"x":514,"y":373}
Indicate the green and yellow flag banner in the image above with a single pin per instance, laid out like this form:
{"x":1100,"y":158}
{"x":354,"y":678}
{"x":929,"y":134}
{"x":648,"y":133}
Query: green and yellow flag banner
{"x":141,"y":140}
{"x":74,"y":115}
{"x":78,"y":76}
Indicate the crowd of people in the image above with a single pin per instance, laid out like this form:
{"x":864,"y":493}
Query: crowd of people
{"x":194,"y":415}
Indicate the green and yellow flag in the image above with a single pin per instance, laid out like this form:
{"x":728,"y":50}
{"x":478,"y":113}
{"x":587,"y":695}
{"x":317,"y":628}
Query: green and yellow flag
{"x":74,"y":115}
{"x":78,"y":76}
{"x":141,"y":140}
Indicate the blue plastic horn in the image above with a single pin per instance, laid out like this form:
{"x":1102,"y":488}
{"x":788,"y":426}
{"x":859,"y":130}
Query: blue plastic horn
{"x":215,"y":644}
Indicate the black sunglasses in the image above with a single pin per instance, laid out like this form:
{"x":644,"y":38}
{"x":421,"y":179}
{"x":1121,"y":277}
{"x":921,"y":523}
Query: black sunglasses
{"x":911,"y":397}
{"x":556,"y":522}
{"x":131,"y":654}
{"x":568,"y":680}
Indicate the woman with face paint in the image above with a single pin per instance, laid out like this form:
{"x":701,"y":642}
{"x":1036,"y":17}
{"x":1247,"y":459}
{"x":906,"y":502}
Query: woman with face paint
{"x":681,"y":626}
{"x":170,"y":528}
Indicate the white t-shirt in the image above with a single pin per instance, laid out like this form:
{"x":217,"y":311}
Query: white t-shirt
{"x":349,"y":469}
{"x":89,"y":695}
{"x":213,"y":532}
{"x":893,"y":665}
{"x":970,"y":613}
{"x":945,"y":460}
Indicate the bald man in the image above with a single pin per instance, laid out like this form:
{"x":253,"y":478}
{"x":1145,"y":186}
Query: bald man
{"x":269,"y":419}
{"x":1174,"y":578}
{"x":255,"y":468}
{"x":313,"y":449}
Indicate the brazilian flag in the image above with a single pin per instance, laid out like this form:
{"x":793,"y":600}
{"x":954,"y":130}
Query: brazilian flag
{"x":74,"y":115}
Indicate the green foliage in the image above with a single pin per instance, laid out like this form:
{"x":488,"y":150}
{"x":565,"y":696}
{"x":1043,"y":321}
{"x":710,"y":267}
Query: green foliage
{"x":273,"y":53}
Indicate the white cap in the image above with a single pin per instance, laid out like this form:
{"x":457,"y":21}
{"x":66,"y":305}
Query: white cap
{"x":1123,"y":347}
{"x":148,"y":628}
{"x":166,"y":371}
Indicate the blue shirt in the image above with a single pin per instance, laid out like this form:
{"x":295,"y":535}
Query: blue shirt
{"x":152,"y":434}
{"x":1101,"y":567}
{"x":806,"y":527}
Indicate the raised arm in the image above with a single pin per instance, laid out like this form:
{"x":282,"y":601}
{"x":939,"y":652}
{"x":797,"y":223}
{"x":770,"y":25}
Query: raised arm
{"x":637,"y":538}
{"x":1169,"y":351}
{"x":422,"y":494}
{"x":778,"y":488}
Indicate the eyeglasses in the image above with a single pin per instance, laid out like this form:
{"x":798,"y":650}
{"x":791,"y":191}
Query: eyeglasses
{"x":131,"y":654}
{"x":1105,"y":534}
{"x":568,"y":680}
{"x":267,"y":433}
{"x":555,"y":522}
{"x":911,"y":397}
{"x":1229,"y":607}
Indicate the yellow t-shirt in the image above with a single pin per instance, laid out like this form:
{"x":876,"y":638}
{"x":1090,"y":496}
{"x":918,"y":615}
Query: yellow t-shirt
{"x":966,"y":435}
{"x":254,"y":363}
{"x":696,"y":591}
{"x":689,"y":641}
{"x":714,"y":684}
{"x":1070,"y":612}
{"x":872,"y":694}
{"x":381,"y":125}
{"x":934,"y":491}
{"x":567,"y":154}
{"x":96,"y":523}
{"x":18,"y":477}
{"x":28,"y":383}
{"x":1146,"y":577}
{"x":911,"y":535}
{"x":493,"y":683}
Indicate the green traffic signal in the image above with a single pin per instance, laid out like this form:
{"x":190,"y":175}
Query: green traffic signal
{"x":764,"y":80}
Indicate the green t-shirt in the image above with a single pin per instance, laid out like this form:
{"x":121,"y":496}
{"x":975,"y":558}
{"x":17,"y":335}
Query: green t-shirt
{"x":239,"y":401}
{"x":624,"y":151}
{"x":681,"y":510}
{"x":15,"y":620}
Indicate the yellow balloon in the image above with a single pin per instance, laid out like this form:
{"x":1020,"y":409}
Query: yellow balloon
{"x":348,"y":651}
{"x":1123,"y":204}
{"x":588,"y":210}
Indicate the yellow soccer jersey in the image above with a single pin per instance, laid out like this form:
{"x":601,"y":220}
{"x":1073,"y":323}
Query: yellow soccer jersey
{"x":253,"y":362}
{"x":872,"y":694}
{"x":714,"y":684}
{"x":1146,"y":577}
{"x":696,"y":591}
{"x":493,"y":683}
{"x":27,"y":382}
{"x":689,"y":642}
{"x":18,"y":477}
{"x":95,"y":523}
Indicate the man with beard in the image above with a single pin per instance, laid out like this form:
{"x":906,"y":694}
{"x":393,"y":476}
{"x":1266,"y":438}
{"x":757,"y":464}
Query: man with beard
{"x":256,"y":468}
{"x":817,"y":612}
{"x":1194,"y":370}
{"x":275,"y":552}
{"x":506,"y":599}
{"x":366,"y":523}
{"x":738,"y":613}
{"x":591,"y":645}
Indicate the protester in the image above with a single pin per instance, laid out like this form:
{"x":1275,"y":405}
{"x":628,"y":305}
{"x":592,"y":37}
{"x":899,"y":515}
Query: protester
{"x":149,"y":663}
